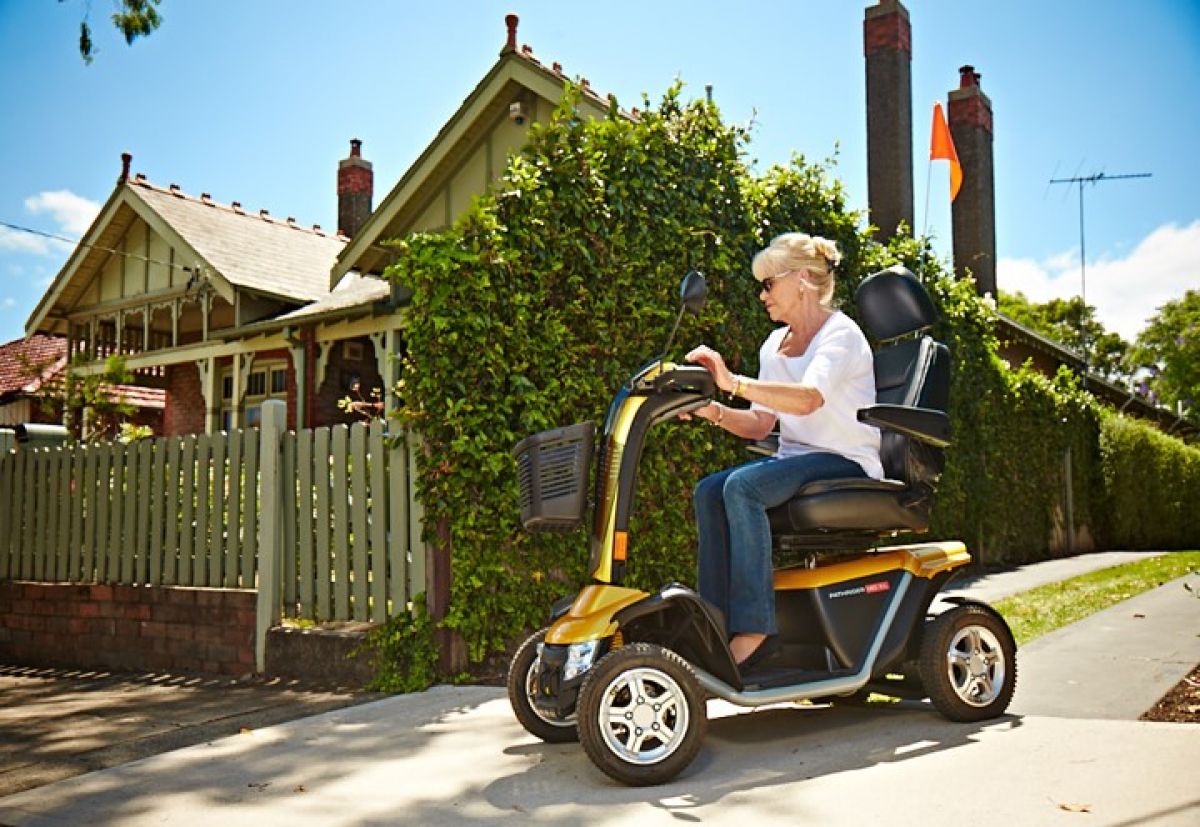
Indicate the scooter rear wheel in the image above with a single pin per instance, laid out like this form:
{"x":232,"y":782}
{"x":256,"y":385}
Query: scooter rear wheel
{"x":521,"y":674}
{"x":642,"y":715}
{"x":969,"y":663}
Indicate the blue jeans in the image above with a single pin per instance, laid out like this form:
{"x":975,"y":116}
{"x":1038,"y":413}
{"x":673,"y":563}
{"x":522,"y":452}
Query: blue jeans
{"x":735,"y":572}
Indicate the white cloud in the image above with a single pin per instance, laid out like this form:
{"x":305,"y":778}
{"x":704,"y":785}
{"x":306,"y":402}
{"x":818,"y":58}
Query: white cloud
{"x":1125,"y":291}
{"x":74,"y":213}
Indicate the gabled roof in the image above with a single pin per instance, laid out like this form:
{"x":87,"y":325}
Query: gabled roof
{"x":253,"y":251}
{"x":516,"y":69}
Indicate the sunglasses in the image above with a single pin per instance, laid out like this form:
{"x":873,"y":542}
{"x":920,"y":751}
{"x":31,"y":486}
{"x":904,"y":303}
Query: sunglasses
{"x":768,"y":284}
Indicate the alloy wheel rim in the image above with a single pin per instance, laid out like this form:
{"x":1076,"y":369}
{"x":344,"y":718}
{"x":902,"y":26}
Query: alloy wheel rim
{"x":643,"y":716}
{"x":975,"y":665}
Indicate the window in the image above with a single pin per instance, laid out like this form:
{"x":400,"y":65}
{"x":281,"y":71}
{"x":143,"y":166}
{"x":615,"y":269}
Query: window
{"x":257,"y":386}
{"x":266,"y":381}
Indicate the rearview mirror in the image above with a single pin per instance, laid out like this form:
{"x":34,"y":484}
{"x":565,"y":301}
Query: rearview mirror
{"x":693,"y":291}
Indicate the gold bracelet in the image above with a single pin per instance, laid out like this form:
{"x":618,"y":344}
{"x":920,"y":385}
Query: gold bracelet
{"x":737,"y":386}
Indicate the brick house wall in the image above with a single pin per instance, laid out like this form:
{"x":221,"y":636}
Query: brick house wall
{"x":341,"y":369}
{"x":152,"y":628}
{"x":184,"y":411}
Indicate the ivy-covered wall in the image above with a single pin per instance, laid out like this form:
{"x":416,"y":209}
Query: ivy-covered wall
{"x":529,"y":312}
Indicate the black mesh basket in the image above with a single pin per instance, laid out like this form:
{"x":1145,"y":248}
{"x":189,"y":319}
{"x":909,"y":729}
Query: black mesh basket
{"x":552,"y":468}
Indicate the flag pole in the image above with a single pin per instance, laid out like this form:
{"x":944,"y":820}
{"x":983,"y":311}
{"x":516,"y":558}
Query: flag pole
{"x":925,"y":219}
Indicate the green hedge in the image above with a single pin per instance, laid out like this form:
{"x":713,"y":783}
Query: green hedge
{"x":1150,"y":487}
{"x":530,"y":310}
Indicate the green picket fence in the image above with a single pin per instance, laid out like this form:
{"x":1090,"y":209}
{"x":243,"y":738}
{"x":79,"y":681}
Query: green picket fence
{"x":334,"y":506}
{"x":350,"y":535}
{"x":156,"y":512}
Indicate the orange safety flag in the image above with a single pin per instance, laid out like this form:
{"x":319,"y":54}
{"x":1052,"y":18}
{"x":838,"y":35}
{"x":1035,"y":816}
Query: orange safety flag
{"x":941,"y":145}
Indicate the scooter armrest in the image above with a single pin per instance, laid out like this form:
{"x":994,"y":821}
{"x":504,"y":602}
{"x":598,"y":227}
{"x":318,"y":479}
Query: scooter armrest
{"x":925,"y":424}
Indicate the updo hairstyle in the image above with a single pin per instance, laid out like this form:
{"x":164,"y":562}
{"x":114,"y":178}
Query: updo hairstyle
{"x":800,"y":251}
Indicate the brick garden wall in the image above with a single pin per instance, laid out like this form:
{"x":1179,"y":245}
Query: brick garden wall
{"x":152,"y":628}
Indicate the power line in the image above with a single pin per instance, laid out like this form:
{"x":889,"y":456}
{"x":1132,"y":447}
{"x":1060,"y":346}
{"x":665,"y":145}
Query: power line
{"x":80,"y":243}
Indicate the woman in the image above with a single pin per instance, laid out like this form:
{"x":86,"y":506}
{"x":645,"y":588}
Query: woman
{"x":815,"y":373}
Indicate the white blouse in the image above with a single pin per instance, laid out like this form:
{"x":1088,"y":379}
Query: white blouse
{"x":839,"y":364}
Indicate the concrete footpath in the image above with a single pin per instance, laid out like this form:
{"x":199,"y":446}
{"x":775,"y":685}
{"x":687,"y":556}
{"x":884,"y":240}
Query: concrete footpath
{"x":455,"y":755}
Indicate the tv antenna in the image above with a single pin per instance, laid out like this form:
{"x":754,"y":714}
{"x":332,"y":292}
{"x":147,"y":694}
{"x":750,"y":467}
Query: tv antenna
{"x":1095,"y":178}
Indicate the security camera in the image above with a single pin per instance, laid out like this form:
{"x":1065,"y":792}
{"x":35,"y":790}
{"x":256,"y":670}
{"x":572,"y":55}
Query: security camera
{"x":516,"y":113}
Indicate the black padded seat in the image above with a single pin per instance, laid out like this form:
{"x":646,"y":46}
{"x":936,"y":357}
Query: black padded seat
{"x":911,"y":374}
{"x":847,"y":505}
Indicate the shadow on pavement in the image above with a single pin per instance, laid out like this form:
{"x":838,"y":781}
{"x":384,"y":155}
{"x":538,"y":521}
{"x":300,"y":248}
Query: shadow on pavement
{"x":750,"y":751}
{"x":58,"y":723}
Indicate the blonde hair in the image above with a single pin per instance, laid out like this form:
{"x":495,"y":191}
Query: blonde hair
{"x":799,"y":251}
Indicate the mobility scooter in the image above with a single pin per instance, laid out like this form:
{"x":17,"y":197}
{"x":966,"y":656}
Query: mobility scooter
{"x":628,"y":673}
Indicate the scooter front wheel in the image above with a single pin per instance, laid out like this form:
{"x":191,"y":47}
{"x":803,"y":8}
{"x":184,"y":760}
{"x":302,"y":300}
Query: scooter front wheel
{"x":969,"y":663}
{"x":641,"y":714}
{"x":521,"y":684}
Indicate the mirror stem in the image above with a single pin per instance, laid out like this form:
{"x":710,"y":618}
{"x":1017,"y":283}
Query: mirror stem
{"x":671,"y":338}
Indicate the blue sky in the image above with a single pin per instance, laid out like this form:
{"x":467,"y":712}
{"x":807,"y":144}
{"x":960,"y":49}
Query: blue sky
{"x":256,"y":101}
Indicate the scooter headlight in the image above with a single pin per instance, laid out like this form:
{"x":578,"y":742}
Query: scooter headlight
{"x":579,"y":658}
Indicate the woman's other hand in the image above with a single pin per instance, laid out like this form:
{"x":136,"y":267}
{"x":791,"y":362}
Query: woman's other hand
{"x":714,"y":363}
{"x":710,"y":412}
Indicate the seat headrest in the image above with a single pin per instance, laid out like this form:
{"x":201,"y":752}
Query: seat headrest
{"x":892,"y":303}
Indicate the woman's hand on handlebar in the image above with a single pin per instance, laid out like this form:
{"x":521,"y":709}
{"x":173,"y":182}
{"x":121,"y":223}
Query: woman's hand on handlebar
{"x":714,"y":363}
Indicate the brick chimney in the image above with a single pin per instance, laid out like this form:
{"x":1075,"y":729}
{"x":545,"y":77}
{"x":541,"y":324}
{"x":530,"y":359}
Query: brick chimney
{"x":510,"y":23}
{"x":974,"y":211}
{"x":887,"y":41}
{"x":355,"y":184}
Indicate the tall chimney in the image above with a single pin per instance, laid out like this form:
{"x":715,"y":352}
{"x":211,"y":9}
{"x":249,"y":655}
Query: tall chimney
{"x":355,"y":184}
{"x":974,"y":210}
{"x":887,"y":41}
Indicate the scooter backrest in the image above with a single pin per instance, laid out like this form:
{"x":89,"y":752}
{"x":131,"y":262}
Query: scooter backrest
{"x":914,"y":373}
{"x":893,"y":303}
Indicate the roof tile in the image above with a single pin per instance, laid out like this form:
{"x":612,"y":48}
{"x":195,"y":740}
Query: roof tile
{"x":26,"y":362}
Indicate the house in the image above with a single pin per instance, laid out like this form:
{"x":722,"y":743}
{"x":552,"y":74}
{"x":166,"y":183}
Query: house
{"x":31,"y":372}
{"x":222,"y":308}
{"x":1019,"y":344}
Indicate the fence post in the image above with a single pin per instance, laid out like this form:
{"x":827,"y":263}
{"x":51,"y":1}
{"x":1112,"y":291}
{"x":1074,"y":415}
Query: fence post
{"x":270,"y":530}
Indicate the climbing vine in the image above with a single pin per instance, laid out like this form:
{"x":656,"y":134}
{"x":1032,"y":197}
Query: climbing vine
{"x":550,"y":291}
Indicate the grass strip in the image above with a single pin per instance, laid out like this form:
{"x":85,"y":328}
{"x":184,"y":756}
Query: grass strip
{"x":1033,"y":613}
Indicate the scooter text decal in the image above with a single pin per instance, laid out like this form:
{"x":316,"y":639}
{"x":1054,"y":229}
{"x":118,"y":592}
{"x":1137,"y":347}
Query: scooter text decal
{"x":871,"y":588}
